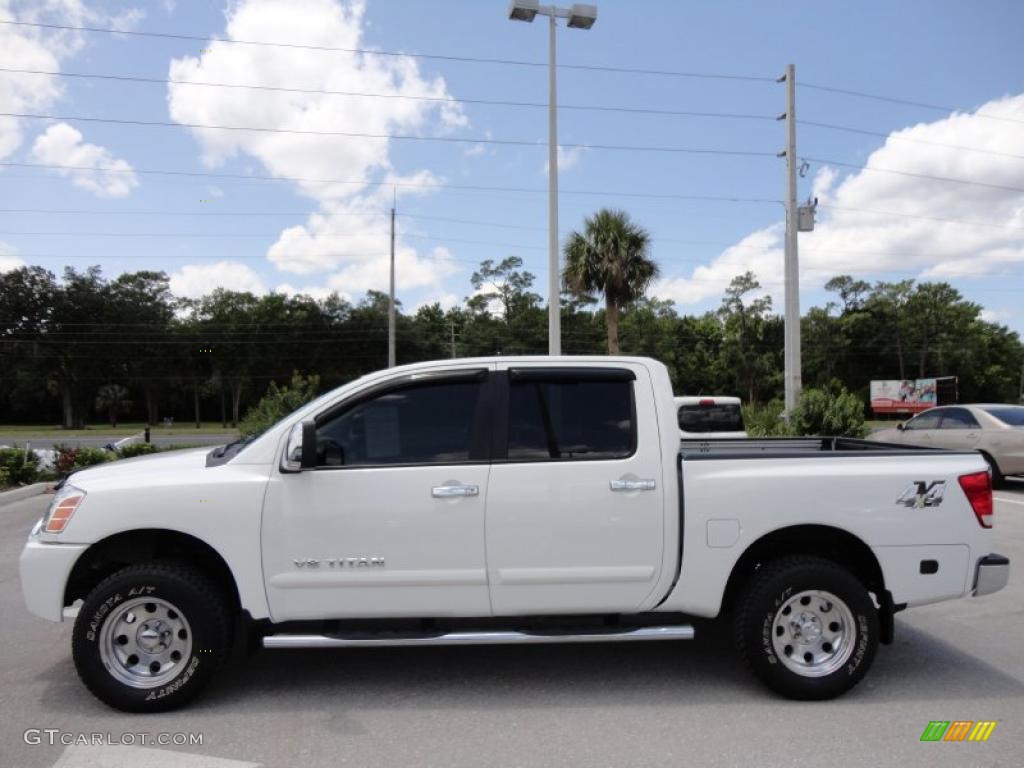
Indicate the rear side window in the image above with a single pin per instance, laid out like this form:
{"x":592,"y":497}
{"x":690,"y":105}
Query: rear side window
{"x":419,"y":424}
{"x":711,"y":418}
{"x":1013,"y":415}
{"x":570,"y":420}
{"x":958,"y":418}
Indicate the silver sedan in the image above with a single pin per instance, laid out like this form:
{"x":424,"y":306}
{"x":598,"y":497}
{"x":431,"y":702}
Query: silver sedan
{"x":996,"y":431}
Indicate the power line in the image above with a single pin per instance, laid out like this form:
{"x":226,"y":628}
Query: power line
{"x":909,"y":139}
{"x":911,"y":174}
{"x":919,"y":216}
{"x":470,"y":222}
{"x":907,"y":102}
{"x":398,"y":54}
{"x":410,"y":97}
{"x":393,"y":183}
{"x":388,"y":136}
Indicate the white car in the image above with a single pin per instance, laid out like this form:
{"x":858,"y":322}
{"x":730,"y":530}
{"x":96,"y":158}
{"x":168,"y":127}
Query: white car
{"x":504,"y":500}
{"x":710,"y":417}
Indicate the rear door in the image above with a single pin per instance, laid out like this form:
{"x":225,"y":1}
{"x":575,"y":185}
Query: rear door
{"x":958,"y":430}
{"x":574,"y":504}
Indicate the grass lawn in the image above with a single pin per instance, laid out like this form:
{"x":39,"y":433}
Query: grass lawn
{"x":28,"y":431}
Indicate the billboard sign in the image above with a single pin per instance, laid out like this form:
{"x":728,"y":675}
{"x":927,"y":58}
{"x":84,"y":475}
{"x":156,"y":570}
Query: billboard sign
{"x":903,"y":395}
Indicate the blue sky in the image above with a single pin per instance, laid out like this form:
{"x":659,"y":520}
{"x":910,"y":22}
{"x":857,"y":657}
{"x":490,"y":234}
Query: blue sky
{"x":315,"y":237}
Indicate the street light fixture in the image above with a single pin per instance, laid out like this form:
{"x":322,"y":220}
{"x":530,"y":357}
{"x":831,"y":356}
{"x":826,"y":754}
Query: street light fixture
{"x":579,"y":16}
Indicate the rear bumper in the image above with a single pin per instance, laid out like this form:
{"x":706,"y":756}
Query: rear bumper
{"x":993,"y":572}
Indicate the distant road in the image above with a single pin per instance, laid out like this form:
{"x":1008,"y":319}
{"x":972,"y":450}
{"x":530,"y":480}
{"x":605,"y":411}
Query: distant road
{"x":98,"y":441}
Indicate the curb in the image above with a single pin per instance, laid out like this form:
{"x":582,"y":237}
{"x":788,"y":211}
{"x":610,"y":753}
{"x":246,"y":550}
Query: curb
{"x":19,"y":494}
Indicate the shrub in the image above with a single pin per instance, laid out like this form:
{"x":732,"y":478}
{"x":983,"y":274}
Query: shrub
{"x":278,"y":402}
{"x":72,"y":459}
{"x":18,"y":467}
{"x":831,"y":413}
{"x":765,"y":419}
{"x":136,"y":449}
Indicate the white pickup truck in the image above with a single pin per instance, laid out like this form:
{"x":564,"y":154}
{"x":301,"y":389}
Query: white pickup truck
{"x":503,"y":500}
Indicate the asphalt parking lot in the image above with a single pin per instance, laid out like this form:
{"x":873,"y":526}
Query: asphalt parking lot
{"x":657,"y":704}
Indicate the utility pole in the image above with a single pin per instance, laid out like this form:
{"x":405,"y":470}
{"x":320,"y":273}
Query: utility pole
{"x":453,"y":339}
{"x":791,"y":355}
{"x":391,"y":294}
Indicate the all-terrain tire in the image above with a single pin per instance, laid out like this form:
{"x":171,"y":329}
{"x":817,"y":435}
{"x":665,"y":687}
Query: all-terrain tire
{"x":807,"y":627}
{"x":150,"y":637}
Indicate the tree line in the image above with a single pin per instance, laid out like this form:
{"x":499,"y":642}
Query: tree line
{"x":87,"y":348}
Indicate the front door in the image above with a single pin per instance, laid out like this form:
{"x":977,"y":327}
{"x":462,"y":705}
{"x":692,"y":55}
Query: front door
{"x":391,"y":521}
{"x":575,"y":518}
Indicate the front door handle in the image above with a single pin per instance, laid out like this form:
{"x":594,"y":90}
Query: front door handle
{"x":453,"y":491}
{"x":633,"y":485}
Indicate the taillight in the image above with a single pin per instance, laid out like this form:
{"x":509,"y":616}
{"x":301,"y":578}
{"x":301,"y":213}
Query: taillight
{"x":978,"y":490}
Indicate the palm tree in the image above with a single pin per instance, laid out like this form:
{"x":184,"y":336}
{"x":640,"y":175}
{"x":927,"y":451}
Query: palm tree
{"x":609,"y":257}
{"x":113,"y":398}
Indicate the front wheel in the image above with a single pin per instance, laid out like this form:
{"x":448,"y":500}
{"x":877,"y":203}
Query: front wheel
{"x":149,"y":637}
{"x":807,"y":627}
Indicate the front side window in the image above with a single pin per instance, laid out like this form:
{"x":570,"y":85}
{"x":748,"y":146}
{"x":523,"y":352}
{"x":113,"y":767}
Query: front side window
{"x":924,"y":421}
{"x":428,"y":423}
{"x":565,"y":419}
{"x":958,"y":418}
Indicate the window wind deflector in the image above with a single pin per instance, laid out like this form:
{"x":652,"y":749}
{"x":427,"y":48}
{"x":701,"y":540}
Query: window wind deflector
{"x":463,"y":374}
{"x":571,"y":374}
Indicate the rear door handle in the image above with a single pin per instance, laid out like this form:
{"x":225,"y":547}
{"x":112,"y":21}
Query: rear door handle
{"x":453,"y":491}
{"x":633,"y":485}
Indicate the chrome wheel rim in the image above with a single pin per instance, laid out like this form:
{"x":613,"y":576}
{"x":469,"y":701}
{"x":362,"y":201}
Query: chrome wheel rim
{"x":145,"y":642}
{"x":813,"y":633}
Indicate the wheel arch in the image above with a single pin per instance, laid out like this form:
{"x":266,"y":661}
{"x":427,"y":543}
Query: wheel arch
{"x":826,"y":541}
{"x":142,"y":545}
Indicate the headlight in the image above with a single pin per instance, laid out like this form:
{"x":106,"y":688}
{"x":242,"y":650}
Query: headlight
{"x":63,"y":506}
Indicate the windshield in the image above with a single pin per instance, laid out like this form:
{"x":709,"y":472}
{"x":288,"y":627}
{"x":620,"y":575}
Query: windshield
{"x":711,"y":418}
{"x":1012,"y":415}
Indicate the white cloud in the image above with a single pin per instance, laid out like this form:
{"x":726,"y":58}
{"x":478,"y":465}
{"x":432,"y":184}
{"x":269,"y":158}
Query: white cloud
{"x":127,"y":20}
{"x":8,"y":258}
{"x":196,"y":280}
{"x":318,"y":292}
{"x":63,"y":145}
{"x":41,"y":49}
{"x":856,"y":232}
{"x":346,"y":240}
{"x":568,"y":158}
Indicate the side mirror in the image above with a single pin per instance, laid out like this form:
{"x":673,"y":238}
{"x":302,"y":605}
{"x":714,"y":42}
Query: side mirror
{"x":900,"y":426}
{"x":300,"y":453}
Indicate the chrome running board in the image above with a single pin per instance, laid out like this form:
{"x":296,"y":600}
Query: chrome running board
{"x":674,"y":632}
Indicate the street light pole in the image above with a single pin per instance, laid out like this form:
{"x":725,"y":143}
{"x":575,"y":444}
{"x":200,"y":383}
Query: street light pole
{"x":554,"y":271}
{"x":579,"y":16}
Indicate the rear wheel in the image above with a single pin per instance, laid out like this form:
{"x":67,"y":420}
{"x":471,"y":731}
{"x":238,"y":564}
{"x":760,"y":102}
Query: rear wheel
{"x":807,"y":627}
{"x":149,"y":637}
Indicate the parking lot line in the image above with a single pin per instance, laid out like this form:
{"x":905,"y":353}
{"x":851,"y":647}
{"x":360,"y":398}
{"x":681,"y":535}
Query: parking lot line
{"x":1009,"y":501}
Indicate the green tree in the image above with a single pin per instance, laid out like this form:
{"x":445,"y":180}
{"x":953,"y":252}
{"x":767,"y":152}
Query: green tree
{"x":610,"y":257}
{"x":112,"y":399}
{"x":278,"y":402}
{"x":745,"y":348}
